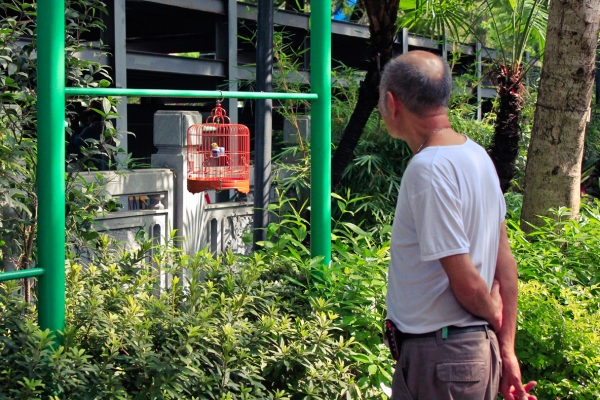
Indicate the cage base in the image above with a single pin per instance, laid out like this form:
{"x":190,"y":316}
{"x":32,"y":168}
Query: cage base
{"x":197,"y":185}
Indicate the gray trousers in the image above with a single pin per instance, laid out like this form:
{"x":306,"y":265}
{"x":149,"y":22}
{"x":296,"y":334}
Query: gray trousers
{"x":465,"y":366}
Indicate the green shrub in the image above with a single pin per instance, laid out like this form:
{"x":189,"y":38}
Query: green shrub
{"x":558,"y":340}
{"x":562,"y":252}
{"x":558,"y":336}
{"x":278,"y":324}
{"x":239,"y":327}
{"x":18,"y":121}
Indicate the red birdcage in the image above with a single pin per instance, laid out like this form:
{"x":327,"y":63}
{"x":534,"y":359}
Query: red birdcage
{"x":218,"y":154}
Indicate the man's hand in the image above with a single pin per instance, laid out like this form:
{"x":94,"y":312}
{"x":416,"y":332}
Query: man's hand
{"x":510,"y":382}
{"x":506,"y":274}
{"x":496,"y":321}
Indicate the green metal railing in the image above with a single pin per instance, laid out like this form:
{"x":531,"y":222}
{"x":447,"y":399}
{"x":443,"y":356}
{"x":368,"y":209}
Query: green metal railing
{"x":77,"y":91}
{"x":24,"y":273}
{"x":51,"y":148}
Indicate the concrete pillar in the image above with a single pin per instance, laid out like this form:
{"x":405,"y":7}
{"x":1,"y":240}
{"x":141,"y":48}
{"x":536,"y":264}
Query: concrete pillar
{"x":170,"y":137}
{"x":444,"y":48}
{"x":263,"y":118}
{"x":120,"y":65}
{"x":404,"y":40}
{"x":294,"y":130}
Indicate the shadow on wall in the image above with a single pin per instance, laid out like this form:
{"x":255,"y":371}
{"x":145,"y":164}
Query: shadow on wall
{"x":220,"y":227}
{"x":194,"y":222}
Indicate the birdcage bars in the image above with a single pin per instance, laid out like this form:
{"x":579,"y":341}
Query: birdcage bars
{"x":218,"y":154}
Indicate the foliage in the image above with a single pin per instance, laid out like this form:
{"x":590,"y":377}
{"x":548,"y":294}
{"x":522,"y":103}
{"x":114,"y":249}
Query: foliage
{"x":18,"y":203}
{"x":558,"y":332}
{"x":513,"y":27}
{"x":558,"y":340}
{"x":376,"y":170}
{"x":526,"y":122}
{"x":153,"y":323}
{"x":18,"y":122}
{"x":462,"y":112}
{"x":233,"y":327}
{"x":277,"y":324}
{"x":382,"y":32}
{"x":562,"y":252}
{"x":446,"y":19}
{"x":288,"y":77}
{"x":590,"y":169}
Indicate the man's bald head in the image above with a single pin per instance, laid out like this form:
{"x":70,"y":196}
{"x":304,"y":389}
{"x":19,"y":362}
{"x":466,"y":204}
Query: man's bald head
{"x":421,"y":80}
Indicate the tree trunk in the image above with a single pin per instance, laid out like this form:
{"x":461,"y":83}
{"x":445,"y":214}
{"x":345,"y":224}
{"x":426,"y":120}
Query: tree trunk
{"x":382,"y":28}
{"x":507,"y":131}
{"x":553,"y":172}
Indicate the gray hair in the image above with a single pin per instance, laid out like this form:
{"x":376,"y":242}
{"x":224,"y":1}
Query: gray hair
{"x":417,"y":91}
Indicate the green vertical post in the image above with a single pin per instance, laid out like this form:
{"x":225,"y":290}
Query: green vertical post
{"x":320,"y":171}
{"x":51,"y":162}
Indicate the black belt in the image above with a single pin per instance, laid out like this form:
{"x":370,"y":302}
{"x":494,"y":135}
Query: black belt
{"x":452,"y":330}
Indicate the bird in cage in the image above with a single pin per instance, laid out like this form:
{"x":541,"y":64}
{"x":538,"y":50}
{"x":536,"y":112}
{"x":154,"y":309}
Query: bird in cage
{"x":218,"y":154}
{"x":215,"y":150}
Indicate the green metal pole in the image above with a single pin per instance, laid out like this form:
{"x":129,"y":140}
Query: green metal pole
{"x":23,"y":273}
{"x":51,"y":163}
{"x":215,"y":94}
{"x":320,"y":170}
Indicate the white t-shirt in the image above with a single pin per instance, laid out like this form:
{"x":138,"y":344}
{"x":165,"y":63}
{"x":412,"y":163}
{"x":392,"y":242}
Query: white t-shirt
{"x":449,"y":203}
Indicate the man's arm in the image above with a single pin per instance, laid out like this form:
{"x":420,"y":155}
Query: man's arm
{"x":506,"y":273}
{"x":471,"y":291}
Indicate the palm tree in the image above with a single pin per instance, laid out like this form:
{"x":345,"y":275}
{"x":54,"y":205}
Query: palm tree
{"x":514,"y":26}
{"x":510,"y":27}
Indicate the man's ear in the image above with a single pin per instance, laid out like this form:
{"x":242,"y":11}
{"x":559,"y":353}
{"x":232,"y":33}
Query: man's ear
{"x":391,"y":104}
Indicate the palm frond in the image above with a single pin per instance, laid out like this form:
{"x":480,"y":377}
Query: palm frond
{"x":488,"y":10}
{"x":435,"y":17}
{"x":515,"y":26}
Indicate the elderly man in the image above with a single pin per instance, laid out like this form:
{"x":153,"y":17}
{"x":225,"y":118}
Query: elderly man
{"x":452,"y":288}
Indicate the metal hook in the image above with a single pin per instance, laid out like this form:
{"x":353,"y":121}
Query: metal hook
{"x":222,"y":97}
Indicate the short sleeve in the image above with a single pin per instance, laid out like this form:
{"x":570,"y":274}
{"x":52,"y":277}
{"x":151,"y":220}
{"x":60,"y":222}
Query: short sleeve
{"x":502,"y":208}
{"x":439,"y":224}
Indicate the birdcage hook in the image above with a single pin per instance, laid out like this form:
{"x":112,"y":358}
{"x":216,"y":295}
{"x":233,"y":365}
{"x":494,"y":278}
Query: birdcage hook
{"x":218,"y":115}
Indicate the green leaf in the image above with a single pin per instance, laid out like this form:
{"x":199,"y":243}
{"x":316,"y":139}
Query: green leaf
{"x":12,"y":69}
{"x":294,"y":281}
{"x":372,"y":369}
{"x":362,"y":358}
{"x":355,"y":228}
{"x":266,"y":244}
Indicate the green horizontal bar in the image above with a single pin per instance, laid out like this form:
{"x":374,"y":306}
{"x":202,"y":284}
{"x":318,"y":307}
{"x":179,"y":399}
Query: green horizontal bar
{"x":77,"y":91}
{"x":24,"y":273}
